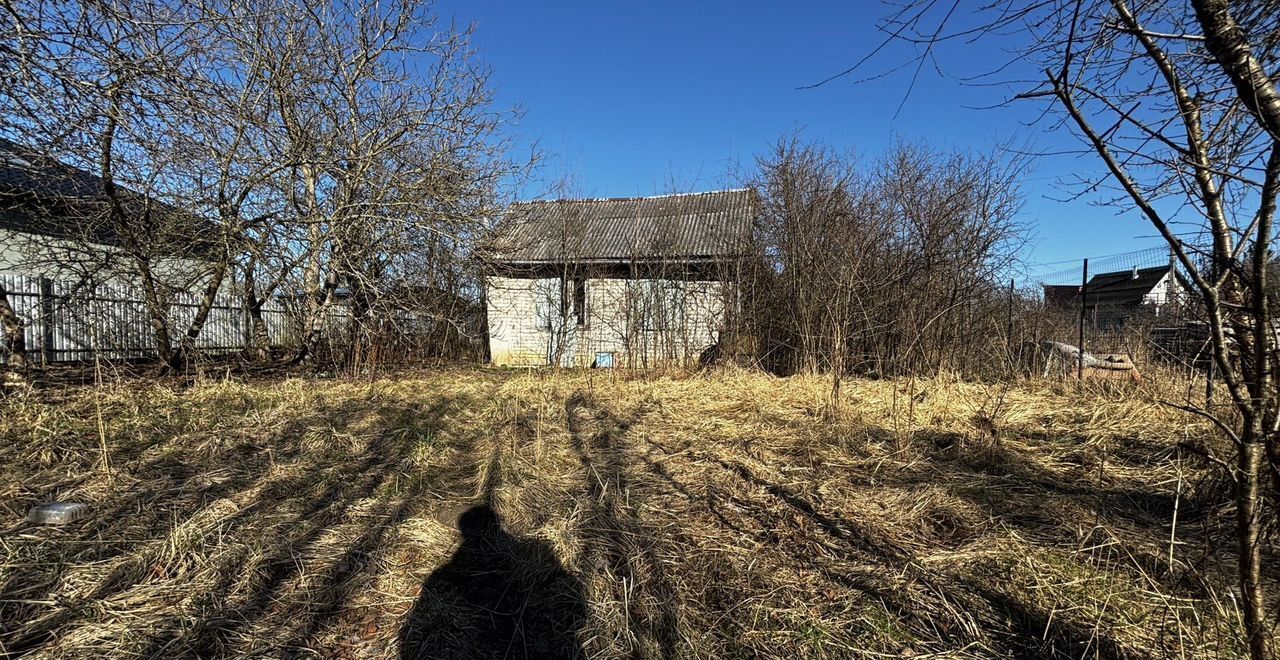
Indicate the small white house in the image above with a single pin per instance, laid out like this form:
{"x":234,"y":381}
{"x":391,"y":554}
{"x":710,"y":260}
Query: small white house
{"x":636,"y":282}
{"x":1115,"y":297}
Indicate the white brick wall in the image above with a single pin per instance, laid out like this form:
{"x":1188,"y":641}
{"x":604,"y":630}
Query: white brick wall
{"x":623,"y":317}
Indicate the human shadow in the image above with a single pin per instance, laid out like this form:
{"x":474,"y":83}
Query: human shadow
{"x":499,"y":596}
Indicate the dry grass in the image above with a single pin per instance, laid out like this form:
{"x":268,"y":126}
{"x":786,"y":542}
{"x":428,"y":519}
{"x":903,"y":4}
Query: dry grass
{"x":733,"y":515}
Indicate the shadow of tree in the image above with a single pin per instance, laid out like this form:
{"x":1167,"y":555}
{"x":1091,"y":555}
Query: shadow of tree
{"x":498,"y":596}
{"x":617,"y":543}
{"x":307,"y":524}
{"x":290,"y":498}
{"x":935,"y":603}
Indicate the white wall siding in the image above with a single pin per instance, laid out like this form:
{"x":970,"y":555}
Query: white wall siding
{"x":67,"y":260}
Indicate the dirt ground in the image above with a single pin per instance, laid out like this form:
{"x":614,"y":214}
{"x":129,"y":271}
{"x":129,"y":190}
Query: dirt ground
{"x":460,"y":514}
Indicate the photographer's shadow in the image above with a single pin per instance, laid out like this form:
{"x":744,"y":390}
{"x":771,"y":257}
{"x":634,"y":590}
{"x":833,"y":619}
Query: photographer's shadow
{"x":498,"y":597}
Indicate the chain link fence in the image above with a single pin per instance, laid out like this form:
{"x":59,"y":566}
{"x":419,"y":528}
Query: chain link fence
{"x":1132,"y":307}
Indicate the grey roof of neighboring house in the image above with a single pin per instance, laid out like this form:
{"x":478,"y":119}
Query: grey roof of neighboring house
{"x":690,"y":227}
{"x":1126,"y":287}
{"x":1120,"y":288}
{"x":41,"y":195}
{"x":23,"y":170}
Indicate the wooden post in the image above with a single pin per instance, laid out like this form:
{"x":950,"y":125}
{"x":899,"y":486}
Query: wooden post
{"x":47,"y":347}
{"x":1084,"y":296}
{"x":1013,"y":363}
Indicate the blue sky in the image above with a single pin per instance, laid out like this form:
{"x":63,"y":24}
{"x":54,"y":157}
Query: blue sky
{"x":633,"y":98}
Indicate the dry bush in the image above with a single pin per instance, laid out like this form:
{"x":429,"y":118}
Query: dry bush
{"x":734,"y":515}
{"x":884,"y":267}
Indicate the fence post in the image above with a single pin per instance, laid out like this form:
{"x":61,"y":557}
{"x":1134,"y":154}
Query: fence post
{"x":1084,"y":310}
{"x":47,"y":347}
{"x":1009,"y":332}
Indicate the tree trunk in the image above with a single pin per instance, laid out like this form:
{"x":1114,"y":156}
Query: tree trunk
{"x":13,"y":343}
{"x":1229,"y":44}
{"x":260,"y":336}
{"x":188,"y":345}
{"x":261,"y":349}
{"x":360,"y":332}
{"x":315,"y":323}
{"x":158,"y":312}
{"x":1248,"y":526}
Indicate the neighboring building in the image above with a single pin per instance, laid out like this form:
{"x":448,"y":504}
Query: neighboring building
{"x":1113,"y":298}
{"x":636,"y":282}
{"x":65,"y":270}
{"x":53,"y":222}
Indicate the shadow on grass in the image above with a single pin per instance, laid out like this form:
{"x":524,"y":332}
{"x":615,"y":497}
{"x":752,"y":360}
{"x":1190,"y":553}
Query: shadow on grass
{"x":497,"y":597}
{"x":304,"y":516}
{"x":617,"y":542}
{"x":934,"y":603}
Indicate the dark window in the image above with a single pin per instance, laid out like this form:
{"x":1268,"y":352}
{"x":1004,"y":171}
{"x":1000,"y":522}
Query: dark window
{"x":580,"y":301}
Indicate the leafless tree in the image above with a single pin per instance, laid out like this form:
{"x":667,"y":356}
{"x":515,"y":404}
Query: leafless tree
{"x":1179,"y":103}
{"x":106,"y":87}
{"x":880,"y":268}
{"x":396,"y":144}
{"x":289,"y":150}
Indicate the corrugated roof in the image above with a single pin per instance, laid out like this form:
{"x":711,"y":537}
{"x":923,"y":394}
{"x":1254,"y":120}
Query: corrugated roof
{"x":699,"y":226}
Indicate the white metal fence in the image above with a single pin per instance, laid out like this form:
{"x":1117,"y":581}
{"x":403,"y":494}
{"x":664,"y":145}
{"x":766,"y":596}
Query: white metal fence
{"x":67,"y":321}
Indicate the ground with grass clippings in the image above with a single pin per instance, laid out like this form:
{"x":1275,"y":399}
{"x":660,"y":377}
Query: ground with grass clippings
{"x":471,"y":513}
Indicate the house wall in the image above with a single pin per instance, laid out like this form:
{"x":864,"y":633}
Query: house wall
{"x":61,"y":259}
{"x":643,"y":322}
{"x":1159,"y":294}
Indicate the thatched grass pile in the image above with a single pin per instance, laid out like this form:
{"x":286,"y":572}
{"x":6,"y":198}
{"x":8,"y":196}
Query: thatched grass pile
{"x":725,"y":515}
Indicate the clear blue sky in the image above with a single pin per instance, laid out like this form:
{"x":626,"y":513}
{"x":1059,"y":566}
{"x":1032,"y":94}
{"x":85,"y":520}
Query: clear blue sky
{"x":627,"y":98}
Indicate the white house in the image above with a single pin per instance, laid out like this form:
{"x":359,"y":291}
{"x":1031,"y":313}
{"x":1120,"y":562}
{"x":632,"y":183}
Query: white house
{"x":634,"y":282}
{"x":65,"y":270}
{"x":1115,"y":297}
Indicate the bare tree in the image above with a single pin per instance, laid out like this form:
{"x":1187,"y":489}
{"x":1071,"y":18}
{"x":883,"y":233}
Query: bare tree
{"x":395,"y":145}
{"x":107,"y":87}
{"x":13,"y":346}
{"x":882,"y":268}
{"x":1179,"y":103}
{"x":310,"y":148}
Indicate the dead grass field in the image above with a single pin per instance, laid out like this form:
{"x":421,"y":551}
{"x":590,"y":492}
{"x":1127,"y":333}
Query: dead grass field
{"x":731,"y":515}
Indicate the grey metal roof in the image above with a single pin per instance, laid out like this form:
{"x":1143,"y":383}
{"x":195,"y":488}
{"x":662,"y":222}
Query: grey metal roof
{"x":41,"y":195}
{"x":1125,"y":287}
{"x":23,"y":170}
{"x":689,"y":227}
{"x":1119,"y":288}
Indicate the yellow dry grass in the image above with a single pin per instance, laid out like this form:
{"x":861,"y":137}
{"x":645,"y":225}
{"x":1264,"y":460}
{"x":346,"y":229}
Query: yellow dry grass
{"x":724,"y":515}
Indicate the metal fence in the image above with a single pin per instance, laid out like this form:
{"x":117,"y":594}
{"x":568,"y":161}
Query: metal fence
{"x":68,"y":321}
{"x":1129,"y":303}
